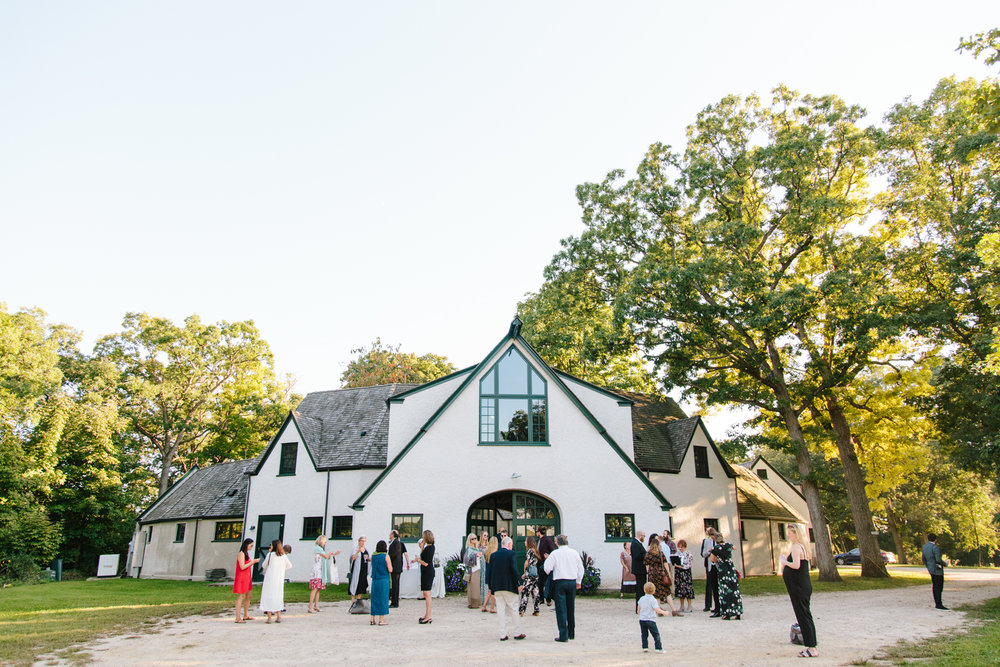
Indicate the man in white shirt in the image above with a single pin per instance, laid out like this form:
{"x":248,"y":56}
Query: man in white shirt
{"x":565,"y":567}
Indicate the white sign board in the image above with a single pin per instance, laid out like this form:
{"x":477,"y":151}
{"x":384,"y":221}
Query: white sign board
{"x":107,"y":566}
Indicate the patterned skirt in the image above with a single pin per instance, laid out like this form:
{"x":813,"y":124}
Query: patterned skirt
{"x":317,"y":585}
{"x":684,"y":584}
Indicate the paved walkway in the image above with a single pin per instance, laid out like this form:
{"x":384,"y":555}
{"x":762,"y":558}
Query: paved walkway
{"x":851,"y":626}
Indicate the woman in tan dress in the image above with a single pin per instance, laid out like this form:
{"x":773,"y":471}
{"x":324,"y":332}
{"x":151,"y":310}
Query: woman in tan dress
{"x":472,"y":562}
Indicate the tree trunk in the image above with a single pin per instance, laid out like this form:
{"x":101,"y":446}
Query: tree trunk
{"x":897,"y":537}
{"x":872,"y":564}
{"x":167,"y":454}
{"x":824,"y":548}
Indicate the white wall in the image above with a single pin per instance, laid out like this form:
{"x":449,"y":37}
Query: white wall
{"x":696,"y":499}
{"x":406,"y":418}
{"x":616,"y":418}
{"x":447,"y":470}
{"x":163,"y":558}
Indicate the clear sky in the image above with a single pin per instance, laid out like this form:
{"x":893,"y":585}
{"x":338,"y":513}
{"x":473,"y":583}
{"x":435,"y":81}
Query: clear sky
{"x":339,"y":171}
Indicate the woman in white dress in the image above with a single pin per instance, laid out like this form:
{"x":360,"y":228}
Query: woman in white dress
{"x":272,"y":592}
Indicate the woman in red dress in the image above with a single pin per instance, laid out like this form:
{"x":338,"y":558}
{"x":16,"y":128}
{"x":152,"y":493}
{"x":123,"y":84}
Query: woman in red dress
{"x":243,"y":584}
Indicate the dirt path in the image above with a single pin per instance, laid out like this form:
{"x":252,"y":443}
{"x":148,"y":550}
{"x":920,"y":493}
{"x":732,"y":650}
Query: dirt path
{"x":851,"y":626}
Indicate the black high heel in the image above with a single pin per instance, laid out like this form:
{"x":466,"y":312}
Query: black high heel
{"x":424,"y":621}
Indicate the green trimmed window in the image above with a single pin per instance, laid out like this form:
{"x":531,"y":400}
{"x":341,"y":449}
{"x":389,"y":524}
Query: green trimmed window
{"x":512,"y":403}
{"x":619,"y":527}
{"x":312,"y":526}
{"x":228,"y":531}
{"x":711,"y":523}
{"x":289,"y":450}
{"x":410,"y":526}
{"x":781,"y":532}
{"x":179,"y":535}
{"x":341,"y":527}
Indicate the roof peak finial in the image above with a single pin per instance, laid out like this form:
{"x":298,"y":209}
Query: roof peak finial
{"x":515,"y":327}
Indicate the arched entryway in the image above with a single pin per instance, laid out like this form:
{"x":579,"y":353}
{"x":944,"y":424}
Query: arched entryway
{"x":519,"y":512}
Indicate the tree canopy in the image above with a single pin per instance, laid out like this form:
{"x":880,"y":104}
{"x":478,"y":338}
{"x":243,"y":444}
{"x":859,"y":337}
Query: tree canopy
{"x":385,"y":364}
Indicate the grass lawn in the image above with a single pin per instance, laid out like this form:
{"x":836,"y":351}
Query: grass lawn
{"x":972,"y":647}
{"x":35,"y":620}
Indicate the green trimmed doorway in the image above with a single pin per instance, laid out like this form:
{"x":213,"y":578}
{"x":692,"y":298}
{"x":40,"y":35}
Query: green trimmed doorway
{"x":519,"y":512}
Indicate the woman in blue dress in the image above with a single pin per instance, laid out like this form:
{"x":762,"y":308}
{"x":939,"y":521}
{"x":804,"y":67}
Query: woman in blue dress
{"x":381,"y":569}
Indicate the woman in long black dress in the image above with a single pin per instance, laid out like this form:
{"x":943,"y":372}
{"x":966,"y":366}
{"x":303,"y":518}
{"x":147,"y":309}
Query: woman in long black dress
{"x":795,"y":572}
{"x":426,"y":561}
{"x":730,"y":600}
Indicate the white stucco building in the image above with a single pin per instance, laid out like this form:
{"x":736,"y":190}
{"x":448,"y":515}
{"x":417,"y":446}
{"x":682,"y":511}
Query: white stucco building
{"x":509,"y":442}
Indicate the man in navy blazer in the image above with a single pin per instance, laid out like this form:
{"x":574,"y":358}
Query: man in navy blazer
{"x":503,"y":581}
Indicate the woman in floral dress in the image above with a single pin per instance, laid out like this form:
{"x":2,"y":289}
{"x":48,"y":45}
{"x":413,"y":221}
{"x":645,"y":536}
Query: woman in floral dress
{"x":531,"y":560}
{"x":730,"y":600}
{"x":683,"y":581}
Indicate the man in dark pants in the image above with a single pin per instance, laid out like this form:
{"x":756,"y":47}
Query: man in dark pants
{"x":396,"y":552}
{"x":638,"y":565}
{"x":565,"y":567}
{"x":711,"y":574}
{"x":546,"y":545}
{"x":931,"y":555}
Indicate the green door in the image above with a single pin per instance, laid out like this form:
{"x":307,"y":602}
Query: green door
{"x":518,"y":512}
{"x":531,"y":512}
{"x":269,"y":527}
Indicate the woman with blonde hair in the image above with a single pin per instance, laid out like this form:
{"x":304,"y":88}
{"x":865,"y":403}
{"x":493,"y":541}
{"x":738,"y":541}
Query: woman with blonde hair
{"x":320,"y":576}
{"x":472,"y":562}
{"x":359,"y":570}
{"x":426,"y":561}
{"x":488,"y":600}
{"x":795,"y":572}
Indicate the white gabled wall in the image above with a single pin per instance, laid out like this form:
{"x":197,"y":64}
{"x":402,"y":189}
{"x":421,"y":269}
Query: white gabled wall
{"x":447,"y":470}
{"x":696,"y":499}
{"x":792,"y":498}
{"x":407,"y":417}
{"x":616,"y":418}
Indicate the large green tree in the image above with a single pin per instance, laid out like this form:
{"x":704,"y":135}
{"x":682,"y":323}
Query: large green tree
{"x":33,"y":412}
{"x":385,"y":364}
{"x":570,"y":322}
{"x":194,"y":393}
{"x":942,"y":159}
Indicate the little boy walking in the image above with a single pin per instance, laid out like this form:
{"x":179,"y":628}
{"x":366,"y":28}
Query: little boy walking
{"x":649,"y":609}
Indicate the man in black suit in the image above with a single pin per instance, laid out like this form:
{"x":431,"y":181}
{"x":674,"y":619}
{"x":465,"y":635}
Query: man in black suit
{"x":397,"y":550}
{"x":638,"y":565}
{"x":711,"y":574}
{"x":504,"y":585}
{"x":546,"y":545}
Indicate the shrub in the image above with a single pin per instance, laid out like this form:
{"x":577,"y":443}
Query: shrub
{"x":20,"y":568}
{"x":454,"y":570}
{"x":591,"y":575}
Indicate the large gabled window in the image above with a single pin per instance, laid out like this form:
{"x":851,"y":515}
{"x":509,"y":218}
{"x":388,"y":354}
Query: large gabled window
{"x":512,"y":403}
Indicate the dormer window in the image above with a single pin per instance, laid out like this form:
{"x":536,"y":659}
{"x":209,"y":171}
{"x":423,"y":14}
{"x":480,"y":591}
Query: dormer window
{"x":512,"y":403}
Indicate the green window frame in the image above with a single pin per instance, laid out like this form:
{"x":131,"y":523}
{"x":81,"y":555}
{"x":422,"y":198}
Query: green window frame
{"x":711,"y":523}
{"x":619,"y":527}
{"x":179,"y":533}
{"x":228,"y":531}
{"x":289,"y":452}
{"x":341,"y":527}
{"x":410,"y":526}
{"x":781,"y":533}
{"x":312,"y":527}
{"x":512,"y":391}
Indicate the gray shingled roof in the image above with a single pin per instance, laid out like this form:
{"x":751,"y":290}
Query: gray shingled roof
{"x":756,"y":500}
{"x":217,"y":491}
{"x":348,"y":428}
{"x":661,"y":432}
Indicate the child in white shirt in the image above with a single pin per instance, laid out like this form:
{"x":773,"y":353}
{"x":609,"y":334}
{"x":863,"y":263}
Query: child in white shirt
{"x":649,"y":609}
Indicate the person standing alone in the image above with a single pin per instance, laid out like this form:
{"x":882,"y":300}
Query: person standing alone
{"x":565,"y":567}
{"x":638,"y":565}
{"x":931,"y":555}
